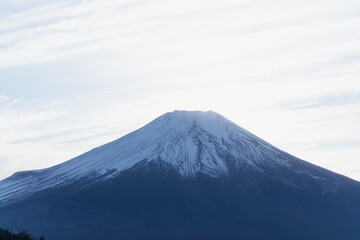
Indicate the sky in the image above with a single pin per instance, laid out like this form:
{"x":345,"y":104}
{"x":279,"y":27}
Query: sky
{"x":77,"y":74}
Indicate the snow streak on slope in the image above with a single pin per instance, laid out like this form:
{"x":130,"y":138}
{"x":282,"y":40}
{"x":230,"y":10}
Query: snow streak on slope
{"x":191,"y":142}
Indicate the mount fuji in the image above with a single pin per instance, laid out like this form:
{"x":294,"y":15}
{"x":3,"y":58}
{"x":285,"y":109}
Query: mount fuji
{"x":185,"y":175}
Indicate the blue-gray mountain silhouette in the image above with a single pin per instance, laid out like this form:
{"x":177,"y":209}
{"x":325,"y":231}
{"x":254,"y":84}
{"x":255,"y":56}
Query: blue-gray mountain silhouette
{"x":185,"y":175}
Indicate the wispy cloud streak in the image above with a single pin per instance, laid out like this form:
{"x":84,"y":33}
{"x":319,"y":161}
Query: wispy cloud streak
{"x":324,"y":101}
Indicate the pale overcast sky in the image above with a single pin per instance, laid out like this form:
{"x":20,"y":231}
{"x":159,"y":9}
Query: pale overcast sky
{"x":77,"y":74}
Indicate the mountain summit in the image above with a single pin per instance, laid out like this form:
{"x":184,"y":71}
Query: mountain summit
{"x":186,"y":174}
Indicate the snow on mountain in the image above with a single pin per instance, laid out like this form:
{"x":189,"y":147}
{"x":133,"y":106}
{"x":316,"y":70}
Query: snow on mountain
{"x":190,"y":141}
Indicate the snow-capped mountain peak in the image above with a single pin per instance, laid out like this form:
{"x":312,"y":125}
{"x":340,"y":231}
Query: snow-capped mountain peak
{"x":187,"y":140}
{"x":191,"y":142}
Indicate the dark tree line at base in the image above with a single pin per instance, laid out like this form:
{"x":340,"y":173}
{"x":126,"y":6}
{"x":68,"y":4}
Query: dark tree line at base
{"x":20,"y":235}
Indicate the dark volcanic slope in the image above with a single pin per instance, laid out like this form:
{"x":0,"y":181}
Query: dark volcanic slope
{"x":256,"y":192}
